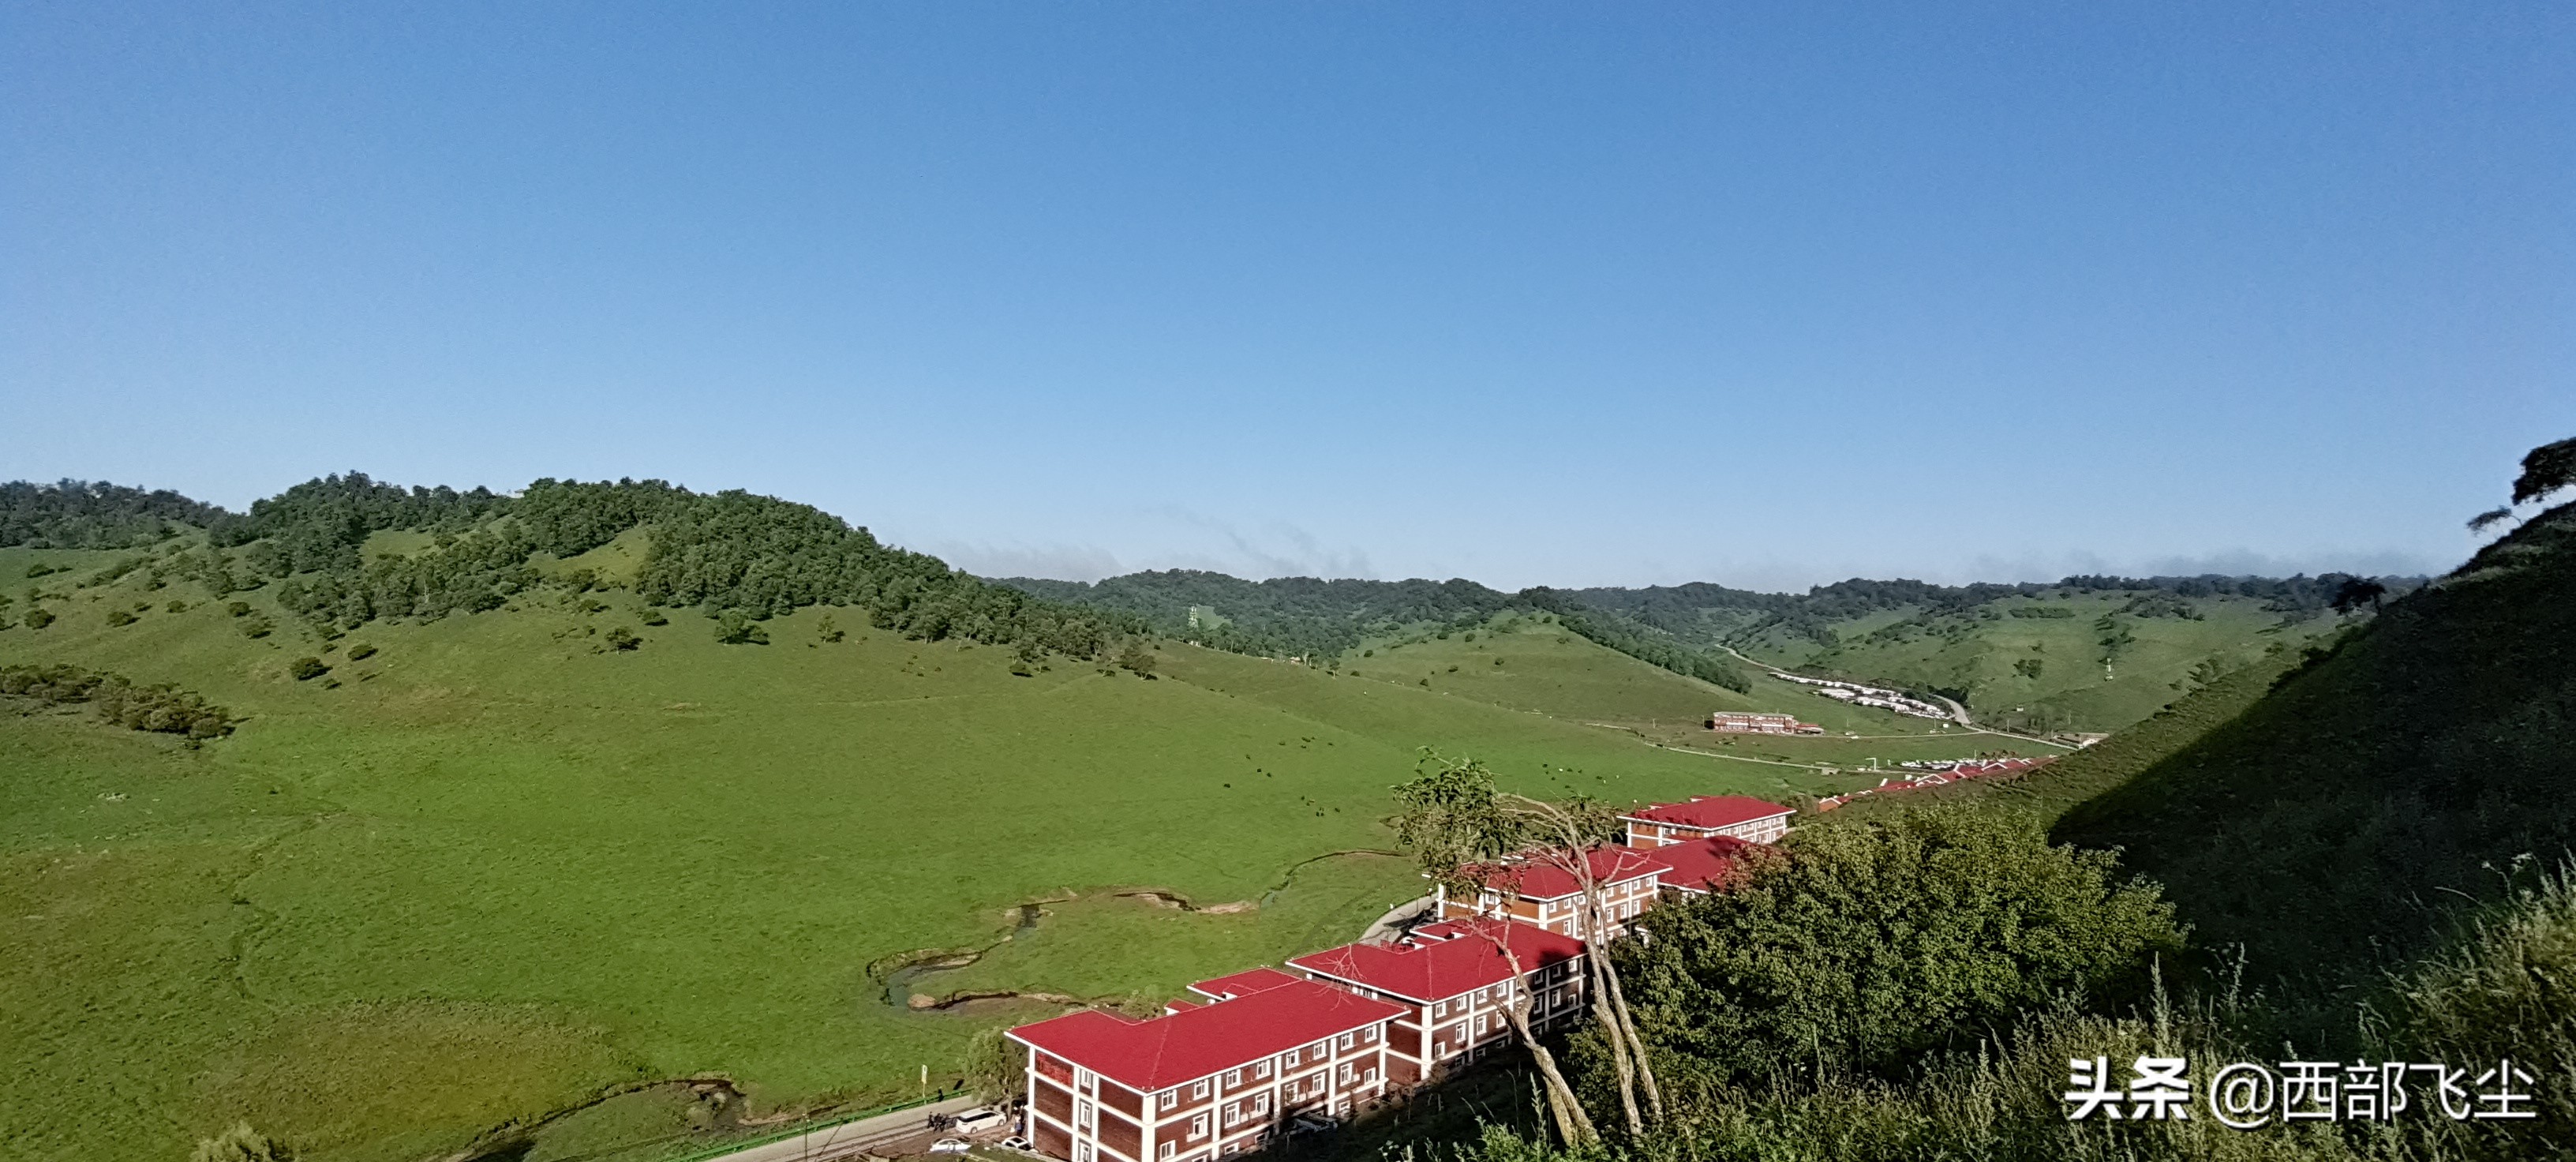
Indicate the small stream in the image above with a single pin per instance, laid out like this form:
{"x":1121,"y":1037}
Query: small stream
{"x":904,"y":982}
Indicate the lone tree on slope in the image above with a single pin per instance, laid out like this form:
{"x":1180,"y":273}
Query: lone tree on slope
{"x":2355,"y":592}
{"x":2547,"y":469}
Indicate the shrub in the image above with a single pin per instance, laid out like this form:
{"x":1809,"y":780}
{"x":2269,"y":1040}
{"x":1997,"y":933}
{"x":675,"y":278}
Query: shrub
{"x":177,"y":607}
{"x":622,"y":638}
{"x":736,"y":628}
{"x":39,"y":617}
{"x":241,"y":1144}
{"x":1866,"y":945}
{"x":120,"y":617}
{"x":1137,"y":660}
{"x":237,"y":608}
{"x":307,"y":669}
{"x":361,"y":652}
{"x":164,"y":709}
{"x":257,"y":628}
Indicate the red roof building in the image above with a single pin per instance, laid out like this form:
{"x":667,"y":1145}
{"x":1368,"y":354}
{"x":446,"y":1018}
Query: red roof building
{"x":1738,"y":816}
{"x":1203,"y":1081}
{"x":1694,"y":867}
{"x":1533,"y":890}
{"x":1455,"y":981}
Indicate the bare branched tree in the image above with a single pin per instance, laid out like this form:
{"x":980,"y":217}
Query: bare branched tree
{"x":1472,"y":839}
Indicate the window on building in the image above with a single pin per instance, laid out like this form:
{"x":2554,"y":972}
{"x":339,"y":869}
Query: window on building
{"x":1261,"y":1068}
{"x":1233,"y":1114}
{"x":1199,"y":1126}
{"x":1082,"y":1079}
{"x":1346,"y":1040}
{"x":1082,"y":1114}
{"x":1082,"y":1152}
{"x":1480,"y":1023}
{"x":1199,"y":1088}
{"x":1368,"y":1035}
{"x":1261,"y":1104}
{"x":1233,"y":1078}
{"x":1170,"y":1098}
{"x":1168,"y":1150}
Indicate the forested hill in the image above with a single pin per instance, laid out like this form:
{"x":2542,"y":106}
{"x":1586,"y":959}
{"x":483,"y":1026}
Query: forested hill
{"x":1704,"y":613}
{"x":2419,"y":764}
{"x":1302,"y":617}
{"x":734,"y":556}
{"x":81,"y":514}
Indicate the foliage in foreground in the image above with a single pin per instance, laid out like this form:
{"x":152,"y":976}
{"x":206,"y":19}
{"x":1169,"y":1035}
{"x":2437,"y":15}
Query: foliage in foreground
{"x":1865,"y":947}
{"x":2500,"y":993}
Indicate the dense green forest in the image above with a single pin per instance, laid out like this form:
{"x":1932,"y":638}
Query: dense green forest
{"x":726,"y":553}
{"x":82,"y":514}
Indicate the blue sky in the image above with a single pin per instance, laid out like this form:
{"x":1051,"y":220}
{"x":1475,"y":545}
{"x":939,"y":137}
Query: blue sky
{"x":1571,"y":294}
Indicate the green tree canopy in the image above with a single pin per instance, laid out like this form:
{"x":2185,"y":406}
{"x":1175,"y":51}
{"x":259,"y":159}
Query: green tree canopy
{"x":1865,"y":945}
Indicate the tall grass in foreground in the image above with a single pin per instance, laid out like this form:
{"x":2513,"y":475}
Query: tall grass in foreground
{"x":2506,"y":990}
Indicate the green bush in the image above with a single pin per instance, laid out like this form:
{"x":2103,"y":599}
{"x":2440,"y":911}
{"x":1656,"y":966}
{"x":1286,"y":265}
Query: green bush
{"x":307,"y":669}
{"x":120,"y":617}
{"x":621,"y":638}
{"x":241,"y":1144}
{"x":39,"y":617}
{"x":736,"y":628}
{"x":361,"y":652}
{"x":237,"y":608}
{"x":164,"y":709}
{"x":1865,"y":945}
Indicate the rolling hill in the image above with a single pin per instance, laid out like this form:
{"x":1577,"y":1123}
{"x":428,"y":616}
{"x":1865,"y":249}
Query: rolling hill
{"x":2084,"y":655}
{"x":2383,"y":787}
{"x":645,"y":791}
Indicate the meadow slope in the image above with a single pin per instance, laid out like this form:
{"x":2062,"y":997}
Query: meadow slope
{"x":496,"y":868}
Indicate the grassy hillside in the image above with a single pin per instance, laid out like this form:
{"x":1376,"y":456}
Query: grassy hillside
{"x":2055,"y":660}
{"x":2348,"y":816}
{"x":495,"y":866}
{"x":2088,"y":654}
{"x":1529,"y":663}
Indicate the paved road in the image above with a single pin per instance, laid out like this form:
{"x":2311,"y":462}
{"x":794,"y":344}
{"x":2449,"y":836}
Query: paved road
{"x":851,"y":1139}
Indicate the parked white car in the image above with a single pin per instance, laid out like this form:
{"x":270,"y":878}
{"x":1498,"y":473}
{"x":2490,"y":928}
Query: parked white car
{"x":980,"y":1119}
{"x":951,"y":1146}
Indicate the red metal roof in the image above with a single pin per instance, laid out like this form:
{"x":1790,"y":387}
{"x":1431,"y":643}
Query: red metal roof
{"x":1242,"y":984}
{"x":1694,"y":865}
{"x":1529,"y":878}
{"x":1437,"y":969}
{"x":1149,"y":1055}
{"x":1710,"y":811}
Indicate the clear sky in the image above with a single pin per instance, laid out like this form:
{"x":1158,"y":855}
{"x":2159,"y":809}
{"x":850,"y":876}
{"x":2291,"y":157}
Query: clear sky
{"x":1768,"y":294}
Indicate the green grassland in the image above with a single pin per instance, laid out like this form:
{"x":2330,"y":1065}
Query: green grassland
{"x":2415,"y":770}
{"x":2096,"y":665}
{"x":497,"y":868}
{"x":1527,"y":663}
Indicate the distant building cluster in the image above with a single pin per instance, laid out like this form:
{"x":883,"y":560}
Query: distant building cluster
{"x":1859,"y":695}
{"x":1730,"y":722}
{"x":1939,"y":773}
{"x":1249,"y":1057}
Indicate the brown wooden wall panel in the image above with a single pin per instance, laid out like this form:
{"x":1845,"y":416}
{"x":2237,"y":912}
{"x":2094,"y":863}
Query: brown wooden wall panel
{"x":1053,"y":1102}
